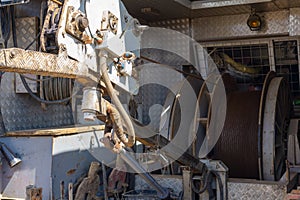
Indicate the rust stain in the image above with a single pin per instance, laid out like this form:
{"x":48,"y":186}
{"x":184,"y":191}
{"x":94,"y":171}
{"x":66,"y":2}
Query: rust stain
{"x":71,"y":171}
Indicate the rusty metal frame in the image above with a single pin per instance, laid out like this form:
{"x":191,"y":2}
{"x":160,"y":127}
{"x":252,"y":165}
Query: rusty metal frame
{"x":33,"y":62}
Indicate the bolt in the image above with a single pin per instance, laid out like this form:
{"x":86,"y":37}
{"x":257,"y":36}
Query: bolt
{"x":83,"y":23}
{"x":12,"y":54}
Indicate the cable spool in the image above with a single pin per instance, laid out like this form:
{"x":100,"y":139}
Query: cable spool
{"x":56,"y":88}
{"x":237,"y":146}
{"x":252,"y":142}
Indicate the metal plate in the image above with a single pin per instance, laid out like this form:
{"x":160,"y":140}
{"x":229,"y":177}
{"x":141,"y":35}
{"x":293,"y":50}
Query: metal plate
{"x":20,"y":89}
{"x":235,"y":26}
{"x":172,"y":182}
{"x":154,"y":95}
{"x":72,"y":156}
{"x":294,"y":25}
{"x":26,"y":30}
{"x":181,"y":25}
{"x":21,"y":111}
{"x":35,"y":168}
{"x":257,"y":191}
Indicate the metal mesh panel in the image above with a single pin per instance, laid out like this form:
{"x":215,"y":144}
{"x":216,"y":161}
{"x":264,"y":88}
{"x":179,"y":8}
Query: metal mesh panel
{"x":248,"y":64}
{"x":286,"y":61}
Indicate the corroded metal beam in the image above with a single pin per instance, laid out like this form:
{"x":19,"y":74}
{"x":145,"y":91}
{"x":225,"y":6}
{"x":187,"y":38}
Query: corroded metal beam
{"x":39,"y":63}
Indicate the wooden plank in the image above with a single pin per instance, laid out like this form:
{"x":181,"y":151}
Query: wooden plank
{"x":55,"y":131}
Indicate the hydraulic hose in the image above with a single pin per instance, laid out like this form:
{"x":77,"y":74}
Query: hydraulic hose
{"x":116,"y":119}
{"x":207,"y":175}
{"x":102,"y":57}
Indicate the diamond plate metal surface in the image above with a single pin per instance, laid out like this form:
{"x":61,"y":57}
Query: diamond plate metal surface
{"x":153,"y":93}
{"x":294,"y":26}
{"x":169,"y":46}
{"x":249,"y":191}
{"x":2,"y":128}
{"x":171,"y":182}
{"x":26,"y":30}
{"x":222,"y":3}
{"x":21,"y":111}
{"x":181,"y":25}
{"x":235,"y":26}
{"x":19,"y":60}
{"x":171,"y":35}
{"x":236,"y":190}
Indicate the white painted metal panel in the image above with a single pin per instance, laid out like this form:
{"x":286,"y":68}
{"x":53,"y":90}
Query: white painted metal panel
{"x":35,"y":168}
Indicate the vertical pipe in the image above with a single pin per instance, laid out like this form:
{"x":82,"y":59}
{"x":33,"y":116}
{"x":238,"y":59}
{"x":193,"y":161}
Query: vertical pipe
{"x":102,"y":61}
{"x":104,"y":182}
{"x":70,"y":191}
{"x":62,"y":190}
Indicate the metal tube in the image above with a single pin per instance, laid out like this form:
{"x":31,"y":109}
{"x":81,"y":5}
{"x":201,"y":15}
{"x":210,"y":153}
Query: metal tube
{"x":9,"y":156}
{"x":162,"y":193}
{"x":102,"y":61}
{"x":70,"y":190}
{"x":104,"y":182}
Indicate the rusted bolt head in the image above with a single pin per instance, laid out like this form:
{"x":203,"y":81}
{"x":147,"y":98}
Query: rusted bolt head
{"x":83,"y":22}
{"x":12,"y":54}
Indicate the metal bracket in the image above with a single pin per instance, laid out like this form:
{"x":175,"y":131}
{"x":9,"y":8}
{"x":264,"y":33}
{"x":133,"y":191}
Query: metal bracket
{"x":221,"y":169}
{"x":109,"y":22}
{"x":186,"y":181}
{"x":76,"y":24}
{"x":33,"y":62}
{"x":33,"y":193}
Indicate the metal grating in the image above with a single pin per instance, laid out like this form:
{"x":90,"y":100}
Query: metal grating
{"x":249,"y":191}
{"x":286,"y":63}
{"x":235,"y":59}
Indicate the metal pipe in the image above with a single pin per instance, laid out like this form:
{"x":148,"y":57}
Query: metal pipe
{"x":102,"y":59}
{"x":104,"y":181}
{"x":70,"y":190}
{"x":9,"y":156}
{"x":162,"y":193}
